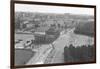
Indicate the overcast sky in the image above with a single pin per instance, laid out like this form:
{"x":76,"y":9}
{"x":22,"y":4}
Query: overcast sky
{"x":53,"y":9}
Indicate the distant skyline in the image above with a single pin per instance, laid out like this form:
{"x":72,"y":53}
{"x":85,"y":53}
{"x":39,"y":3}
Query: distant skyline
{"x":53,"y":9}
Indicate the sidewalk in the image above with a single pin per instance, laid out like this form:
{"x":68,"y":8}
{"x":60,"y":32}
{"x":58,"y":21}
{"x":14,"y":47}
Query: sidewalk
{"x":41,"y":55}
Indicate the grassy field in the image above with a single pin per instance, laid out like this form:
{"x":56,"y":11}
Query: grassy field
{"x":79,"y":40}
{"x":23,"y":56}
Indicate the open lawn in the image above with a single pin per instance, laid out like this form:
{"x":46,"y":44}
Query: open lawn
{"x":22,"y":56}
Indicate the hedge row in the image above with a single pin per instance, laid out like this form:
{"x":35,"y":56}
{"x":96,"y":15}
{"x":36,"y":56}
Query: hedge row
{"x":79,"y":54}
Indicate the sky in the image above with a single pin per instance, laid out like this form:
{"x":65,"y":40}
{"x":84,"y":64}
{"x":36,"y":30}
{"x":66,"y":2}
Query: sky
{"x":53,"y":9}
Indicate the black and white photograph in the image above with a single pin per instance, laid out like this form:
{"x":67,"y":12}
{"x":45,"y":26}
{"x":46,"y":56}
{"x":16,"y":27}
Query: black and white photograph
{"x":47,"y":34}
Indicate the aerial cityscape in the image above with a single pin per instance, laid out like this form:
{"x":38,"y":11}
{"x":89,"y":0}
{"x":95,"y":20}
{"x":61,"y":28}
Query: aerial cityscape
{"x":47,"y":38}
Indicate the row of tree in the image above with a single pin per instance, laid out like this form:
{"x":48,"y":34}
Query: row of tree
{"x":79,"y":54}
{"x":85,"y":28}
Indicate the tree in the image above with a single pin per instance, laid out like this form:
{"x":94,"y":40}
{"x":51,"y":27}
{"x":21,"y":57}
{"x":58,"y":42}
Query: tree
{"x":36,"y":25}
{"x":19,"y":20}
{"x":58,"y":25}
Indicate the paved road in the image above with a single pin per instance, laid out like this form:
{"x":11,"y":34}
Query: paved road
{"x":49,"y":55}
{"x":56,"y":54}
{"x":59,"y":45}
{"x":68,"y":38}
{"x":41,"y":55}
